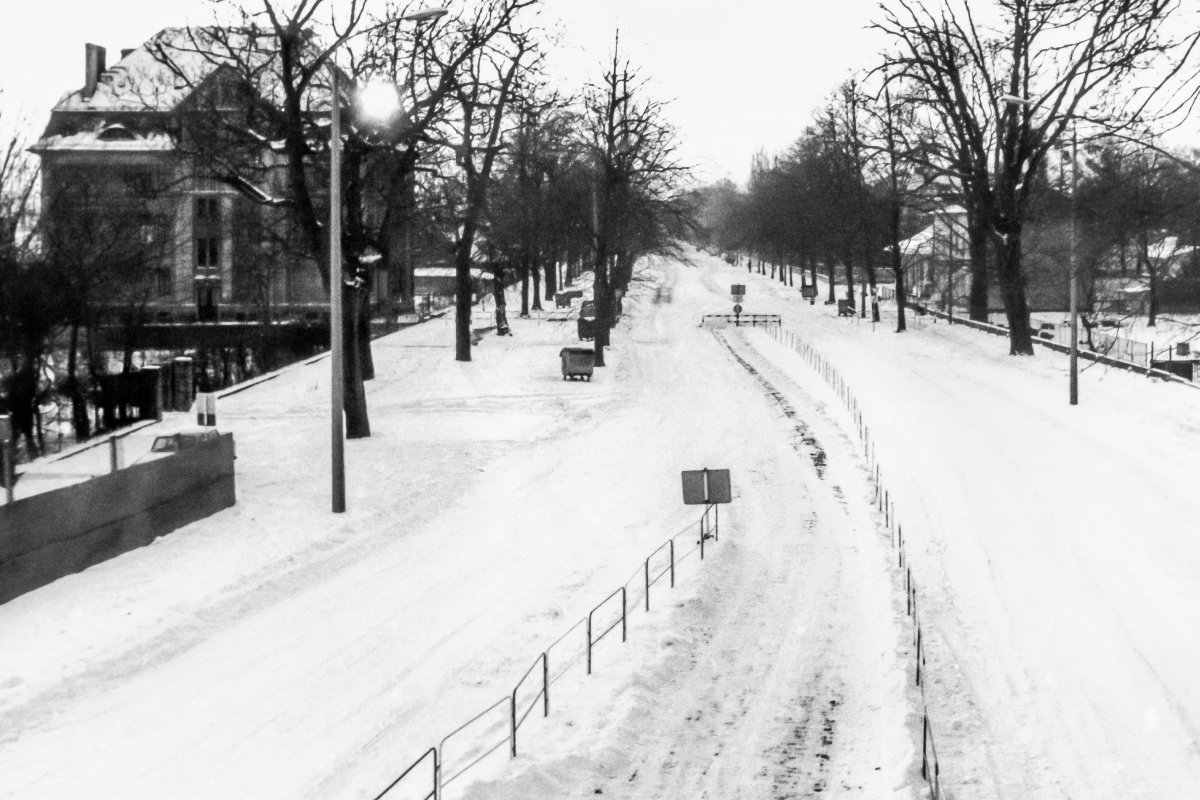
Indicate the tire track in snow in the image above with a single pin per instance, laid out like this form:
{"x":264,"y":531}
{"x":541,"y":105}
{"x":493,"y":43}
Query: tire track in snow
{"x":803,"y":440}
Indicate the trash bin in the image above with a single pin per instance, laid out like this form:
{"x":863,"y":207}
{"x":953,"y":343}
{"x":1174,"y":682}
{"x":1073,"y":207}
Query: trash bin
{"x":577,"y":362}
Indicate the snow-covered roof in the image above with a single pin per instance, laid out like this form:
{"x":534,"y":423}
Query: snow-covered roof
{"x":162,"y":75}
{"x":167,"y":69}
{"x":920,"y":243}
{"x":88,"y":140}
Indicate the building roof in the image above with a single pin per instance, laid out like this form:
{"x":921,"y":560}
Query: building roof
{"x":159,"y":77}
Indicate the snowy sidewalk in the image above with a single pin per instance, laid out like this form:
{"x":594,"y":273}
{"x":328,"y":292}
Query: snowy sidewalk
{"x":276,"y":650}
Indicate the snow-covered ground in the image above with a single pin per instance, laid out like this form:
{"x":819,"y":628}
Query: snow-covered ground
{"x":1054,"y":547}
{"x":277,"y":650}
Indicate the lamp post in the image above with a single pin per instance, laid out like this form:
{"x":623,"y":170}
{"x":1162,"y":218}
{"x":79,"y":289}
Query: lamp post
{"x":1074,"y":267}
{"x":1073,"y":259}
{"x":336,"y":283}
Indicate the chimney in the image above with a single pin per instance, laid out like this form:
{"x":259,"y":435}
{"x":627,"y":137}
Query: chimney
{"x":93,"y":67}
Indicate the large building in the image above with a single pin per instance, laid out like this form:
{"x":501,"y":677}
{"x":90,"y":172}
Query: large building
{"x":130,"y":186}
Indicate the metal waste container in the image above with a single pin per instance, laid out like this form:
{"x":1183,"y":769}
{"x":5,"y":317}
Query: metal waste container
{"x":577,"y":362}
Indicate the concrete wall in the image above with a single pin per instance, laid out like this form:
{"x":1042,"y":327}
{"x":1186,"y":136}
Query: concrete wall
{"x":47,"y":536}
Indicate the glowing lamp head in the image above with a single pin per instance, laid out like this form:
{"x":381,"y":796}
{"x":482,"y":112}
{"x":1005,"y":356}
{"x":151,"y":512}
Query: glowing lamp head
{"x":379,"y":102}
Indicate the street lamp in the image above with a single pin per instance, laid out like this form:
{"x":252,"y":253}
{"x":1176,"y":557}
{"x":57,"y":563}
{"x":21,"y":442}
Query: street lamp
{"x":1073,"y":265}
{"x":336,"y":332}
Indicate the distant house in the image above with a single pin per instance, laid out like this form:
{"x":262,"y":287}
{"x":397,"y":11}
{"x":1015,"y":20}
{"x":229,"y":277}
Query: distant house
{"x":937,"y":263}
{"x":936,"y":260}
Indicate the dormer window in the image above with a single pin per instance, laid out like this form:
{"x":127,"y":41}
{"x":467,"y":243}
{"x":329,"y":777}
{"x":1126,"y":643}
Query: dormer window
{"x":115,"y":133}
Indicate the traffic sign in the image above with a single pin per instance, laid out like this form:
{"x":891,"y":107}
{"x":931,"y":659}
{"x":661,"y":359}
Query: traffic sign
{"x":706,"y":487}
{"x":737,"y":309}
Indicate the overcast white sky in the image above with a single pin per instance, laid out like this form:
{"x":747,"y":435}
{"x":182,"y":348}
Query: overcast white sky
{"x":741,"y":75}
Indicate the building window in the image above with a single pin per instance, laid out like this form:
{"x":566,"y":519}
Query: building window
{"x":208,"y":252}
{"x":208,"y":209}
{"x":162,"y":282}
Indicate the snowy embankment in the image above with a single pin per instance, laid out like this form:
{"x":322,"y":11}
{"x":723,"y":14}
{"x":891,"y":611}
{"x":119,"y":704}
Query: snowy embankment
{"x":277,"y":650}
{"x":1054,"y":548}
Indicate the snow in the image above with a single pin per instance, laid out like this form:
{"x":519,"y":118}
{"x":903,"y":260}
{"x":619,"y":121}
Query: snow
{"x":278,"y":650}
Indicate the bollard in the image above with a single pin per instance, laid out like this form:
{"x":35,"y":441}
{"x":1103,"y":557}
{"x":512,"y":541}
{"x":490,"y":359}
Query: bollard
{"x":115,"y":453}
{"x":206,"y":409}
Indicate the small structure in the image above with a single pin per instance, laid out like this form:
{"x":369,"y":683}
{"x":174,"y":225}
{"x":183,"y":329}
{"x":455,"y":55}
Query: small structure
{"x":577,"y":362}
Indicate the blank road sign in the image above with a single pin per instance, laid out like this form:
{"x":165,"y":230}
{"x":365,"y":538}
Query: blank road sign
{"x":706,"y":486}
{"x":719,"y":490}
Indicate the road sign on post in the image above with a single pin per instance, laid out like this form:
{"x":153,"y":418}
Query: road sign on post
{"x":737,"y":291}
{"x":706,"y":487}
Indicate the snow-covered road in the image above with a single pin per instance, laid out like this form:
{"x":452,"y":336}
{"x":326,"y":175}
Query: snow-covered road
{"x":276,"y":650}
{"x":1054,"y":548}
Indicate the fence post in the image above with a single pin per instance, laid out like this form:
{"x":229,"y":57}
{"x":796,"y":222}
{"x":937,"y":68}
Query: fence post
{"x":908,"y":591}
{"x":925,"y":746}
{"x":622,"y":613}
{"x":716,"y":523}
{"x":919,"y":655}
{"x":589,"y":644}
{"x":672,"y":548}
{"x":545,"y":684}
{"x":512,"y":731}
{"x":647,"y":583}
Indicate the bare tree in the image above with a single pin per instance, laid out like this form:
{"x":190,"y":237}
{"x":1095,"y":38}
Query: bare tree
{"x":1004,"y":95}
{"x":637,"y":182}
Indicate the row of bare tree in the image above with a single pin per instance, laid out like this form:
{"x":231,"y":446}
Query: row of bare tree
{"x":971,"y":105}
{"x":481,"y":161}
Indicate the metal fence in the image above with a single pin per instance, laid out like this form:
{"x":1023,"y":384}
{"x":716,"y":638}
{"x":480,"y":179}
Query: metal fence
{"x":499,"y":724}
{"x":930,"y":766}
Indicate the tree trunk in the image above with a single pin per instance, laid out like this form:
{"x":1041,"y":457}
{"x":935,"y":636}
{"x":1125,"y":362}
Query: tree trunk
{"x":1016,"y":304}
{"x":977,"y":246}
{"x":535,"y":273}
{"x":600,"y":297}
{"x":1152,"y":274}
{"x":363,"y":343}
{"x":552,"y":278}
{"x":897,"y":266}
{"x":502,"y":328}
{"x":79,"y":416}
{"x":524,"y":286}
{"x":462,"y":293}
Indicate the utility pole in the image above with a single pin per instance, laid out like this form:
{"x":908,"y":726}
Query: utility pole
{"x":1074,"y":267}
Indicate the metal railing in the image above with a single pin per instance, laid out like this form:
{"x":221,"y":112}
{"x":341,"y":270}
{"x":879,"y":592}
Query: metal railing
{"x":435,"y":778}
{"x":669,"y":545}
{"x":498,"y":724}
{"x":543,"y":694}
{"x":739,"y":320}
{"x":930,"y":766}
{"x":592,"y":641}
